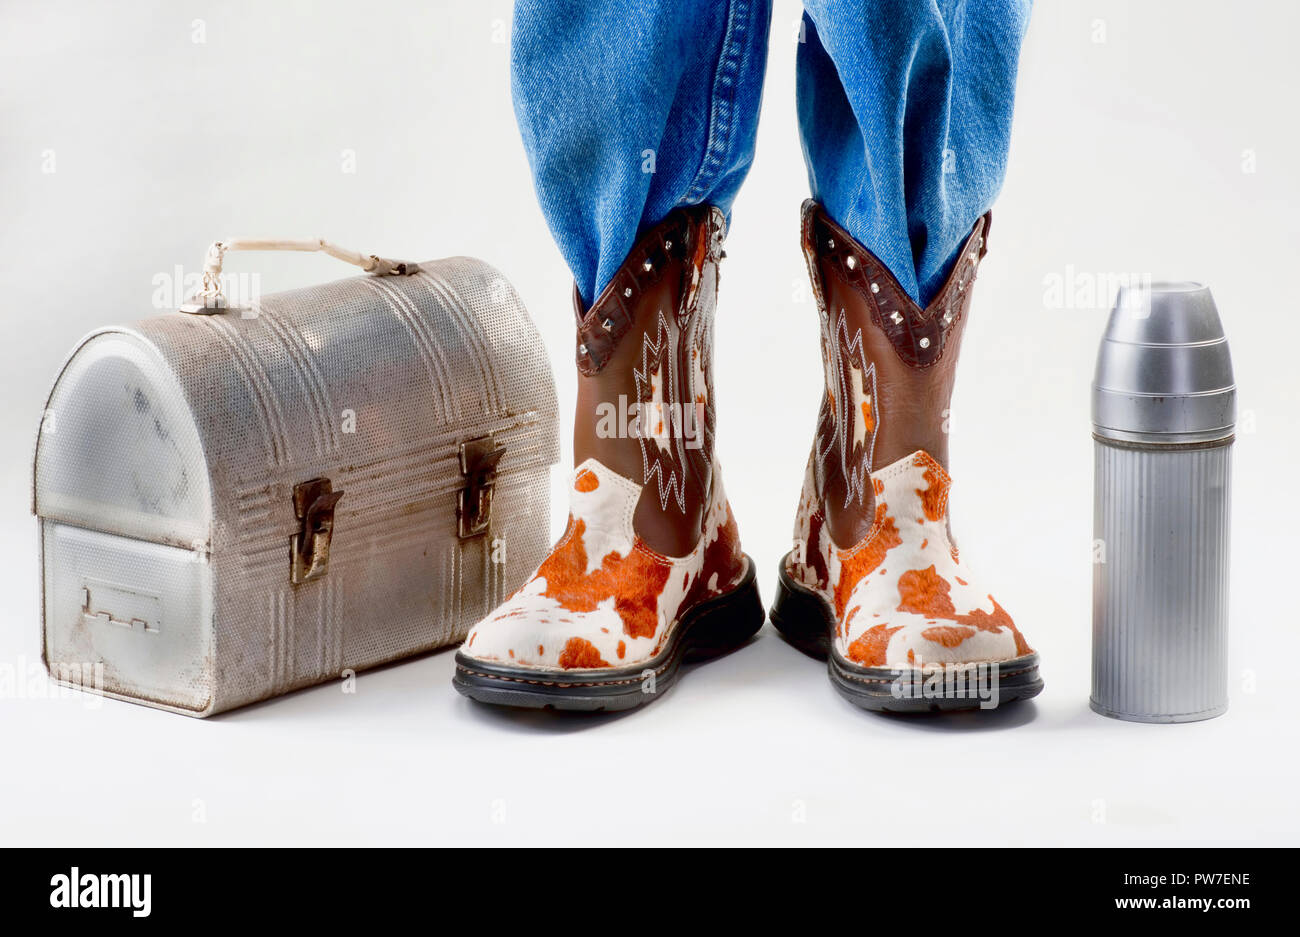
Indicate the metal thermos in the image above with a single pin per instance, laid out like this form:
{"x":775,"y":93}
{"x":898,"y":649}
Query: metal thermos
{"x":1163,"y":414}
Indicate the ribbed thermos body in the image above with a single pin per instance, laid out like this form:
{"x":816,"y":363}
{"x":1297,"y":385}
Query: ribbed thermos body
{"x":1160,"y":606}
{"x":1163,"y":412}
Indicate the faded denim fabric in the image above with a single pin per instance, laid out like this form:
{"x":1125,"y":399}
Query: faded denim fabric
{"x":631,"y":108}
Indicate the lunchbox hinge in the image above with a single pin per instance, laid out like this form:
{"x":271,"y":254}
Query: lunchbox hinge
{"x":478,"y":463}
{"x":313,"y":505}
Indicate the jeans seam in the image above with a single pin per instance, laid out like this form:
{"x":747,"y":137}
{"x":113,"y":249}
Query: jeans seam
{"x":722,"y":109}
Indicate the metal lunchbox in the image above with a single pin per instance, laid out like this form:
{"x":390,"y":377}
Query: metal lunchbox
{"x":238,"y":501}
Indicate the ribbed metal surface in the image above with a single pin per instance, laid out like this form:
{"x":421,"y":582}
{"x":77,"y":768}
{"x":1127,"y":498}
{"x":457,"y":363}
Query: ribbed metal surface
{"x":1160,"y":598}
{"x":166,"y":469}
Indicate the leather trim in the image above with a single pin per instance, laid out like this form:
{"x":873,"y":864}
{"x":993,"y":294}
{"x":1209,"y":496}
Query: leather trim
{"x":919,"y":335}
{"x":655,"y":256}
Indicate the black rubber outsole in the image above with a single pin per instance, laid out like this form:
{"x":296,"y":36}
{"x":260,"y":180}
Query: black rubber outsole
{"x":807,"y":621}
{"x":708,"y":630}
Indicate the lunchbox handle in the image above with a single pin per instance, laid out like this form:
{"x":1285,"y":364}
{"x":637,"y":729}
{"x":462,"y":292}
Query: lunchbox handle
{"x":209,"y":298}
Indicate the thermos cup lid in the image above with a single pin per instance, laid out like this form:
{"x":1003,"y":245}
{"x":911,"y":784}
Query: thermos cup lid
{"x":1164,"y":375}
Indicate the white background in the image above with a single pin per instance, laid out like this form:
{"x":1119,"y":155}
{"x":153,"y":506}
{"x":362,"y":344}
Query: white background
{"x":1154,"y":138}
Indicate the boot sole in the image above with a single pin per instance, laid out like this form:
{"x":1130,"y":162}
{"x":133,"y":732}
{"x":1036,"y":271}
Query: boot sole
{"x":710,"y":629}
{"x":807,"y":621}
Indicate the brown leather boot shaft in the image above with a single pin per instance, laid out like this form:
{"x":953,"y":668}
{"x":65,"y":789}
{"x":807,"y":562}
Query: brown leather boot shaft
{"x":890,"y":366}
{"x":645,"y":386}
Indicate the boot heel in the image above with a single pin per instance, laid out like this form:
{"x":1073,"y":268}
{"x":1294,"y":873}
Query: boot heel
{"x":726,"y":622}
{"x":801,"y":615}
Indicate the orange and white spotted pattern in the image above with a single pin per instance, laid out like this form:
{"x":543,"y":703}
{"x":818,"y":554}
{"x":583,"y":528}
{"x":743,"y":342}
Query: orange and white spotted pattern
{"x":902,"y":597}
{"x":602,"y":598}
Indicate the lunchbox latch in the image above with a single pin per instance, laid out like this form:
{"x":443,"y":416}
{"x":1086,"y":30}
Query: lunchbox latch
{"x":478,"y":463}
{"x":313,"y":505}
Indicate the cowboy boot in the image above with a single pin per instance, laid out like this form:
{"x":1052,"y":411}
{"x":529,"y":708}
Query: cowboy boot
{"x":649,"y":571}
{"x":875,"y":583}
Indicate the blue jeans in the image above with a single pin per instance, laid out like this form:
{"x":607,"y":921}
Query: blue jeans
{"x":630,"y":108}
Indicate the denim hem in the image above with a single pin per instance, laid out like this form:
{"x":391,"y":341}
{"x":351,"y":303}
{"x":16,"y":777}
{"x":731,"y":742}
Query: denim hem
{"x":722,"y":111}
